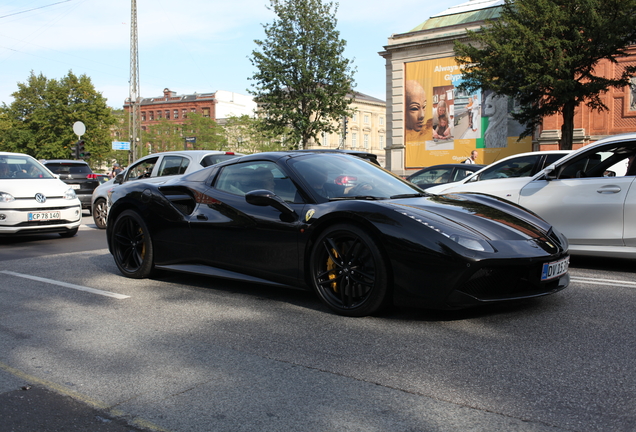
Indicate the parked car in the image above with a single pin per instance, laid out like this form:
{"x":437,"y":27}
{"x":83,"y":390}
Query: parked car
{"x":156,"y":167}
{"x":33,"y":200}
{"x":78,"y":175}
{"x":518,"y":165}
{"x":376,"y":239}
{"x":441,"y":174}
{"x":589,"y":195}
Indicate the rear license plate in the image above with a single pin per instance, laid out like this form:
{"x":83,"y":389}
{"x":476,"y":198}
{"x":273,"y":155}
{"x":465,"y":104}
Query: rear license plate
{"x":75,"y":186}
{"x":36,"y":216}
{"x":555,"y":269}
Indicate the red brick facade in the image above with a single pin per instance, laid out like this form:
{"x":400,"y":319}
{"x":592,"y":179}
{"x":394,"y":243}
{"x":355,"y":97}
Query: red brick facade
{"x":591,"y":125}
{"x":175,"y":108}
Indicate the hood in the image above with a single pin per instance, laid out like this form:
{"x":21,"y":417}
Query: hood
{"x":27,"y":188}
{"x":492,"y":218}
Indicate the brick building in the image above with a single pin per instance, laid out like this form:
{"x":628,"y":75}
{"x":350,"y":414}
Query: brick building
{"x":424,"y":57}
{"x":175,"y":107}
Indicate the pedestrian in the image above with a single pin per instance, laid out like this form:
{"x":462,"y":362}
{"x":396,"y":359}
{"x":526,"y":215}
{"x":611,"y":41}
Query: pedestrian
{"x":116,"y":170}
{"x":472,"y":158}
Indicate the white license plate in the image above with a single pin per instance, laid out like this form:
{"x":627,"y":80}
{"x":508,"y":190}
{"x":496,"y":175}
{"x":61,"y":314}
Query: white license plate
{"x":75,"y":186}
{"x":36,"y":216}
{"x":555,"y":269}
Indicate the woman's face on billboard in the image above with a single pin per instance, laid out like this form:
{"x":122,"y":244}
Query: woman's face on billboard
{"x":415,"y":106}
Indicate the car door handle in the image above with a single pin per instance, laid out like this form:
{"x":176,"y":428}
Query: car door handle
{"x":202,"y":217}
{"x":609,"y":189}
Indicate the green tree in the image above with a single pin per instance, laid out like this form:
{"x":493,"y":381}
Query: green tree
{"x":245,"y":134}
{"x":41,"y":117}
{"x":208,"y":133}
{"x":302,"y":80}
{"x":162,"y":136}
{"x":544,"y":53}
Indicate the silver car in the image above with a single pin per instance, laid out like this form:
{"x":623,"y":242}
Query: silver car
{"x":155,"y":168}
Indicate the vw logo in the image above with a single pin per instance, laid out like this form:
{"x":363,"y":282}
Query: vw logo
{"x":40,"y":198}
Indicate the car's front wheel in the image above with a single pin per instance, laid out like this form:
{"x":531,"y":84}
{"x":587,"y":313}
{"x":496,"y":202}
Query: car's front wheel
{"x":132,"y":245}
{"x":348,"y":271}
{"x":100,"y":213}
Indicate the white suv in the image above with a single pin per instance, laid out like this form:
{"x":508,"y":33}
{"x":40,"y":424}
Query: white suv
{"x":155,"y":168}
{"x":33,"y":200}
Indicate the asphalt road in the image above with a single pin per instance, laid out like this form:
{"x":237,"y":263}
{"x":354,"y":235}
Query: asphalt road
{"x":82,"y":348}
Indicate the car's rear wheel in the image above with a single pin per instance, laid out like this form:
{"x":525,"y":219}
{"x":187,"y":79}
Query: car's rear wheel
{"x":100,"y":213}
{"x":348,"y":271}
{"x":132,"y":246}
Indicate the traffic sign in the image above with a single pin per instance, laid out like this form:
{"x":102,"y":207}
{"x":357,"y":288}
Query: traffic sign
{"x":121,"y":145}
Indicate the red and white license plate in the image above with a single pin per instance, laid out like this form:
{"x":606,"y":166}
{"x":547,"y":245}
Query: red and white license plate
{"x":555,"y":269}
{"x":37,"y":216}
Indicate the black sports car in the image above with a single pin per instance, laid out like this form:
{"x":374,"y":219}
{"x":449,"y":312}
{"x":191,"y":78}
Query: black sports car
{"x":358,"y":235}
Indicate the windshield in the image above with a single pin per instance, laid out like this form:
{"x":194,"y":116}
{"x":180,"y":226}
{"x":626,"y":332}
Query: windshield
{"x":22,"y":167}
{"x":345,"y":177}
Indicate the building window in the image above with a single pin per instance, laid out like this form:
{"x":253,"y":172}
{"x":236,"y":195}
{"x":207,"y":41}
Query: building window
{"x":143,"y":116}
{"x":366,"y":141}
{"x":355,"y":117}
{"x":183,"y":113}
{"x":381,"y":141}
{"x":381,"y":121}
{"x":193,"y":110}
{"x":354,"y":140}
{"x":366,"y":119}
{"x":206,"y":112}
{"x":175,"y":114}
{"x":325,"y":139}
{"x":167,"y":114}
{"x":159,"y":115}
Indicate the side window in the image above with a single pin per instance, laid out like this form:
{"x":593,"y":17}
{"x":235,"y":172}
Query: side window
{"x":520,"y":167}
{"x":461,"y":174}
{"x":141,"y":170}
{"x":173,"y":165}
{"x":604,"y":162}
{"x":242,"y":178}
{"x":441,"y":175}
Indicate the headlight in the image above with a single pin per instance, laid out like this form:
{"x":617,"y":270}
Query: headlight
{"x":6,"y":197}
{"x":69,"y":194}
{"x":465,"y":238}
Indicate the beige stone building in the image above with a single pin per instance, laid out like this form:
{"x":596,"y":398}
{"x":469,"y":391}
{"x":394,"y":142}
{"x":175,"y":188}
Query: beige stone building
{"x":366,"y":129}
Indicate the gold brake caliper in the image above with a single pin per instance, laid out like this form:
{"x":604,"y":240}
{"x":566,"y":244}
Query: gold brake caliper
{"x":330,"y":267}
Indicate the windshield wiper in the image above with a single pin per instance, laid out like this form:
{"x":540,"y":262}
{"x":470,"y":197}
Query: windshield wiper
{"x":413,"y":195}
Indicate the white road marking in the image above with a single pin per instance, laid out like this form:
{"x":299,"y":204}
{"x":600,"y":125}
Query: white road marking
{"x":67,"y":285}
{"x":613,"y":282}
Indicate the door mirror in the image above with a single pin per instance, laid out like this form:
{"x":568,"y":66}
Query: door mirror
{"x":262,"y":197}
{"x":549,"y":172}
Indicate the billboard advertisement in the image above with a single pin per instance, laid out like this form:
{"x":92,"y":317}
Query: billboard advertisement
{"x":444,"y":125}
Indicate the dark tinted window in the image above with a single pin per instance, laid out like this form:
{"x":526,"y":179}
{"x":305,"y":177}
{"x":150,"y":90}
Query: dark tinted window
{"x":215,"y":159}
{"x":68,"y":168}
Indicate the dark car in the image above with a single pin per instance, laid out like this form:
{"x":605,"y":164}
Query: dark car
{"x":359,"y":236}
{"x":78,"y":175}
{"x":440,"y":174}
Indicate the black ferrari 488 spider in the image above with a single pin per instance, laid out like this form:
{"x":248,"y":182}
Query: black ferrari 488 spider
{"x":359,"y":236}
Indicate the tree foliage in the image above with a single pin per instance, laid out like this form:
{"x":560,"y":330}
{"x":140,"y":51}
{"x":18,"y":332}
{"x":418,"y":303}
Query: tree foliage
{"x":544,"y":54}
{"x":40,"y":120}
{"x":245,"y":134}
{"x":302,"y":78}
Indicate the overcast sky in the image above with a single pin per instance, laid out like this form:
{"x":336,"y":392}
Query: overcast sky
{"x":188,"y":46}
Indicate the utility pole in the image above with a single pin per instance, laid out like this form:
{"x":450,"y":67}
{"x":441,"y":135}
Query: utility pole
{"x":135,"y":97}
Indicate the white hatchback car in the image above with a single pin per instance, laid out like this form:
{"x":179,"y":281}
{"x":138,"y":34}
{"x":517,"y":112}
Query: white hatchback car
{"x":33,"y":200}
{"x":588,"y":195}
{"x":155,"y":168}
{"x":521,"y":165}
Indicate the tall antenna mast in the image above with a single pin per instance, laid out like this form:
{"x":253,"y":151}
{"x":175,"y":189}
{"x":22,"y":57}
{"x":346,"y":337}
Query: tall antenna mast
{"x":135,"y":97}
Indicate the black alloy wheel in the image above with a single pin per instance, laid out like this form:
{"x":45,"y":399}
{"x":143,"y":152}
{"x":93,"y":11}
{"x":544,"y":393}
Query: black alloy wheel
{"x":100,"y":213}
{"x":348,"y":272}
{"x":132,"y":245}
